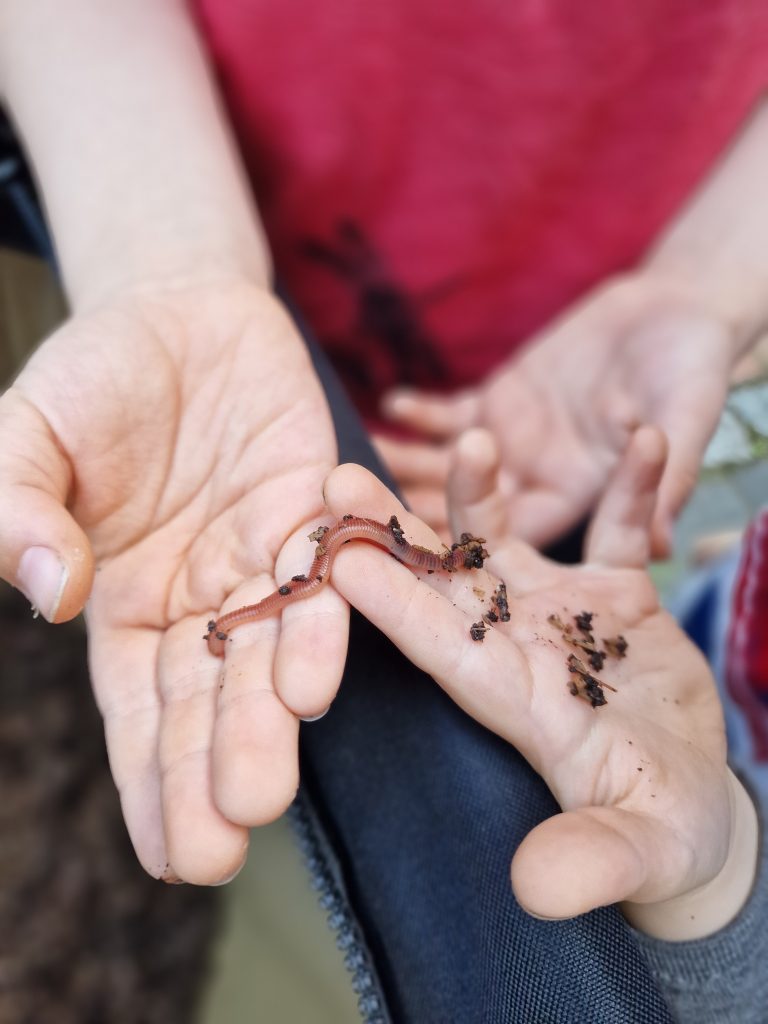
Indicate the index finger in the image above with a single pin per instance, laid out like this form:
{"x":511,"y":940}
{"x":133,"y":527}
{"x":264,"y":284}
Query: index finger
{"x":429,"y":626}
{"x":620,"y":533}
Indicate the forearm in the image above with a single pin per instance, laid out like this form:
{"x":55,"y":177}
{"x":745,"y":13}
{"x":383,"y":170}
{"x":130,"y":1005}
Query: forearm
{"x":716,"y":246}
{"x":119,"y":115}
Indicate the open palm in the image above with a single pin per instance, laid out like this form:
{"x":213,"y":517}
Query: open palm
{"x":562,"y":411}
{"x":188,"y":438}
{"x":642,"y":780}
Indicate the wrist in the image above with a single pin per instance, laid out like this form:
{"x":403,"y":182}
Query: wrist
{"x":710,"y":907}
{"x":737,"y":302}
{"x":715,"y":246}
{"x":166,"y":260}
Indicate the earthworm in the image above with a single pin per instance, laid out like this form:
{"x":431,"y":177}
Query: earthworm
{"x":468,"y":553}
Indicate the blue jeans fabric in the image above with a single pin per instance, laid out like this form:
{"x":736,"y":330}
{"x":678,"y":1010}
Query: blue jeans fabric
{"x":423,"y":809}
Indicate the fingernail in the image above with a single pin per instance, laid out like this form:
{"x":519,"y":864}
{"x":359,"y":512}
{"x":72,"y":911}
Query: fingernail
{"x":228,"y":878}
{"x":42,"y":577}
{"x":316,"y":718}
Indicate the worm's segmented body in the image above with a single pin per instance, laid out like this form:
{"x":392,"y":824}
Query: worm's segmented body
{"x":468,"y":553}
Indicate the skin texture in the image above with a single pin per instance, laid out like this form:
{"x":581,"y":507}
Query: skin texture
{"x":162,"y":455}
{"x":187,"y":496}
{"x":562,"y":411}
{"x":646,"y":798}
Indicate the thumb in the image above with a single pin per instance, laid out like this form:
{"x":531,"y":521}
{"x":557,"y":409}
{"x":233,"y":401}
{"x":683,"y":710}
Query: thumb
{"x":580,"y":860}
{"x":43,"y":551}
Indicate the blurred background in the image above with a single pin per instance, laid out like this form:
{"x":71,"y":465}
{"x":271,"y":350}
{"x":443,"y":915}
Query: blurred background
{"x":85,"y":935}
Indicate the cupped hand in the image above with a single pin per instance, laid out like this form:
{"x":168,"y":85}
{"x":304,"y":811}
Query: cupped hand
{"x":161,"y":459}
{"x":646,"y":797}
{"x":637,"y":350}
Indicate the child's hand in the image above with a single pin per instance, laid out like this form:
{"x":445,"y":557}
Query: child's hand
{"x":650,"y":811}
{"x":177,"y":442}
{"x":637,"y":350}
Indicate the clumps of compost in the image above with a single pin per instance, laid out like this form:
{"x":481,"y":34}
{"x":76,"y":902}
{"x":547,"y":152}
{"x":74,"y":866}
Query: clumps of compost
{"x":582,"y":682}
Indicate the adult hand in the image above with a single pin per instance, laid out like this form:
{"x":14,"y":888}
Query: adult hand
{"x":634,"y":351}
{"x":650,"y":813}
{"x":176,"y":443}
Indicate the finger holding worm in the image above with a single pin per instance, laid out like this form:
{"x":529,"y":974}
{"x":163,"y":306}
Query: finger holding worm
{"x":467,"y":553}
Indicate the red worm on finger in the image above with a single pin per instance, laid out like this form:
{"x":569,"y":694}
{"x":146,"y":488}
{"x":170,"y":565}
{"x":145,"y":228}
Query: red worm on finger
{"x":468,"y":553}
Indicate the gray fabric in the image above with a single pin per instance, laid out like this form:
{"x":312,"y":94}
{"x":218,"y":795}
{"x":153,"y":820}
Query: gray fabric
{"x":722,"y":979}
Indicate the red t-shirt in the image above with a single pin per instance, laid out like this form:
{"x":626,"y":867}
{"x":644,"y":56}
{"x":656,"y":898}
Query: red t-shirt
{"x":439,"y":180}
